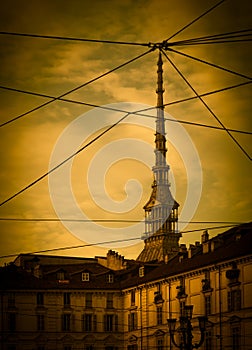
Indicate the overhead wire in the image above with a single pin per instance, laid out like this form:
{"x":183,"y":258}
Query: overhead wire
{"x":212,"y":38}
{"x":55,"y":37}
{"x":111,"y":242}
{"x":195,"y":20}
{"x":63,"y":162}
{"x":108,"y":220}
{"x":209,"y":63}
{"x":76,"y":88}
{"x":207,"y":107}
{"x":139,"y":113}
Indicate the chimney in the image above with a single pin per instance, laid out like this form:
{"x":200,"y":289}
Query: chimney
{"x":205,"y":242}
{"x":115,"y":261}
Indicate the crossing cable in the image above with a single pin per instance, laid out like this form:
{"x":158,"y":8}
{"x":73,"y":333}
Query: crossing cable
{"x":207,"y":107}
{"x":64,"y":161}
{"x":139,"y":113}
{"x":107,"y":220}
{"x":209,"y":63}
{"x":54,"y":37}
{"x":195,"y":20}
{"x":76,"y":88}
{"x":230,"y":35}
{"x":110,"y":242}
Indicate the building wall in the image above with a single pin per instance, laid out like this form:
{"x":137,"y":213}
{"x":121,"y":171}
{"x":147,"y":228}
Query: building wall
{"x":222,"y":321}
{"x":151,"y":303}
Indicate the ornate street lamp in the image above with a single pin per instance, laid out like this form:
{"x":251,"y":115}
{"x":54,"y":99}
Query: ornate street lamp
{"x":185,"y":329}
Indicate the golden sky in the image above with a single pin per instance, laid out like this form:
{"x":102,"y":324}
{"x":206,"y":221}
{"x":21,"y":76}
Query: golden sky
{"x":53,"y":67}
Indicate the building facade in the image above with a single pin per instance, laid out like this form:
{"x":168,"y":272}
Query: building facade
{"x":84,"y":304}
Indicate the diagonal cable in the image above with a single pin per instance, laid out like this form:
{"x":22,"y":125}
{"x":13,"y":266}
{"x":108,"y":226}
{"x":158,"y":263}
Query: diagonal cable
{"x":195,"y":20}
{"x":140,"y":112}
{"x":76,"y":88}
{"x":64,"y":161}
{"x":228,"y":35}
{"x":210,"y":64}
{"x":208,"y":108}
{"x":54,"y":37}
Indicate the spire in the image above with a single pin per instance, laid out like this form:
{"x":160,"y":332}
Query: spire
{"x":160,"y":140}
{"x":161,"y":235}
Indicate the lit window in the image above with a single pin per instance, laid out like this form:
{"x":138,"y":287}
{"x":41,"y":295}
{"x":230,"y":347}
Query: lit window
{"x":110,"y":278}
{"x":141,"y":271}
{"x":85,"y":276}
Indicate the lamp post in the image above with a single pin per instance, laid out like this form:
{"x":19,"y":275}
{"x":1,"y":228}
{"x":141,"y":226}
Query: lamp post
{"x":185,"y":329}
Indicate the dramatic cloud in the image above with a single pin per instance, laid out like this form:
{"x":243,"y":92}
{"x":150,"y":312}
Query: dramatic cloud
{"x":53,"y":67}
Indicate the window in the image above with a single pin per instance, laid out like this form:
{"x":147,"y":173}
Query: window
{"x":66,"y":322}
{"x":89,"y":323}
{"x":141,"y":271}
{"x":109,"y":303}
{"x":132,"y":297}
{"x":159,"y":315}
{"x":12,"y":321}
{"x":235,"y":334}
{"x":160,"y":344}
{"x":208,"y":305}
{"x":208,"y":340}
{"x":67,"y":299}
{"x":110,"y":278}
{"x":61,"y":275}
{"x":110,"y":323}
{"x":40,"y":322}
{"x":88,"y":300}
{"x":132,"y":347}
{"x":11,"y":347}
{"x":85,"y":276}
{"x":132,"y":321}
{"x":11,"y":300}
{"x":234,"y":300}
{"x":181,"y":308}
{"x":40,"y":298}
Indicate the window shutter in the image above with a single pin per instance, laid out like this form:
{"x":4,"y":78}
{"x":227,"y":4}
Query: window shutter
{"x":94,"y":323}
{"x":129,"y":327}
{"x":229,"y":302}
{"x":104,"y":323}
{"x":116,"y":323}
